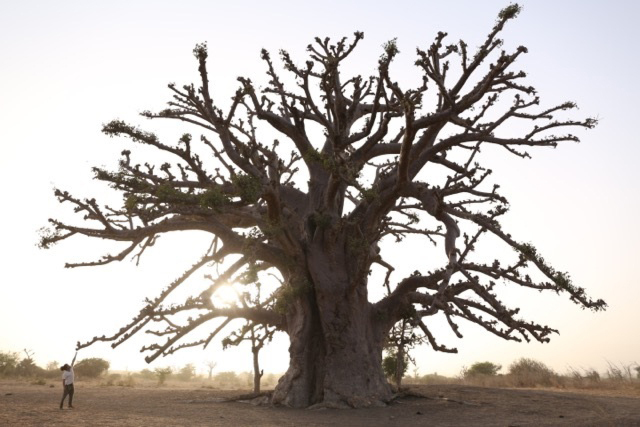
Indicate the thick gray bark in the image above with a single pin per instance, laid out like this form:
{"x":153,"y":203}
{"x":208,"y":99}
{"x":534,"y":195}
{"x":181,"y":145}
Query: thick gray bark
{"x":336,"y":342}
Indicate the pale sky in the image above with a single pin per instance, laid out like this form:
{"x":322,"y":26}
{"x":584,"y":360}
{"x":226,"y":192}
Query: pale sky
{"x":67,"y":67}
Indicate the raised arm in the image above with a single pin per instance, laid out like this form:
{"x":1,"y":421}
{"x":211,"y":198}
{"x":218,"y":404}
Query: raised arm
{"x":74,"y":359}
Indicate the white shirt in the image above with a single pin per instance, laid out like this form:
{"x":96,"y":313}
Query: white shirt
{"x":67,"y":376}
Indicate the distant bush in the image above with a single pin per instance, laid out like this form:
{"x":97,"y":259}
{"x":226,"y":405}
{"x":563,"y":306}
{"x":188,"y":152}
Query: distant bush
{"x":146,"y":374}
{"x":119,"y":380}
{"x":530,"y":373}
{"x":91,"y":368}
{"x":8,"y":363}
{"x":12,"y":366}
{"x":52,"y":370}
{"x":434,"y":378}
{"x":227,"y":379}
{"x":482,"y":368}
{"x":128,"y":381}
{"x":112,"y":379}
{"x":187,"y":373}
{"x":162,"y":374}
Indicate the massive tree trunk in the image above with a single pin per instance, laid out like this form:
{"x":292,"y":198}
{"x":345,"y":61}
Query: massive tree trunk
{"x":331,"y":368}
{"x":336,"y":342}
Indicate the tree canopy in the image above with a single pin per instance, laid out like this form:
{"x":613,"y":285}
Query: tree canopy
{"x":308,"y":178}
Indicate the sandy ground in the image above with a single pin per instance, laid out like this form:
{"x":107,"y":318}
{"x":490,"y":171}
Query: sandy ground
{"x":446,"y":405}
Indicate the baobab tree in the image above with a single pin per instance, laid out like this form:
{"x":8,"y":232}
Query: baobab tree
{"x":354,"y":163}
{"x":211,"y":365}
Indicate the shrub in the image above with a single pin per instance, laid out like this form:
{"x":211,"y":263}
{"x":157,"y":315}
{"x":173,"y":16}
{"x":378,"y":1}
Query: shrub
{"x":227,"y":379}
{"x":435,"y":379}
{"x":146,"y":374}
{"x":91,"y":368}
{"x":162,"y":374}
{"x":27,"y":368}
{"x":8,"y":363}
{"x":111,"y":379}
{"x":186,"y":373}
{"x":52,"y":370}
{"x":128,"y":381}
{"x":530,"y":373}
{"x":390,"y":362}
{"x":482,"y":368}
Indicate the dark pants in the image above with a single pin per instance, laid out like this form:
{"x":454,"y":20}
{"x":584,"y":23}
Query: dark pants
{"x":68,"y":391}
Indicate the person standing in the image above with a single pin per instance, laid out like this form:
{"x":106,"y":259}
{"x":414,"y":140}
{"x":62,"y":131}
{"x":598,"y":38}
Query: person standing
{"x":67,"y":382}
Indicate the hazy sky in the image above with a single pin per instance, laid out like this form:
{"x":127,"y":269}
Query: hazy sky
{"x":67,"y":67}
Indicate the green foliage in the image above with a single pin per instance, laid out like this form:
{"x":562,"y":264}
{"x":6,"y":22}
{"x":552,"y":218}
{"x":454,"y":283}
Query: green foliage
{"x":561,"y":279}
{"x":248,"y":187}
{"x":369,"y":194}
{"x":510,"y":12}
{"x":321,"y":220}
{"x":482,"y":368}
{"x":391,"y":47}
{"x":390,"y":363}
{"x":92,"y":367}
{"x":130,"y":202}
{"x":315,"y":156}
{"x":289,"y":293}
{"x":200,"y":51}
{"x":213,"y":198}
{"x":167,"y":193}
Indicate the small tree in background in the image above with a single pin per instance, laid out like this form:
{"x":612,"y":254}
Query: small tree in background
{"x":257,"y":336}
{"x":482,"y":368}
{"x":392,"y":368}
{"x":93,"y":367}
{"x":162,"y":374}
{"x":211,"y":366}
{"x":530,"y":373}
{"x":27,"y":367}
{"x":187,"y":372}
{"x":8,"y":363}
{"x":147,"y":374}
{"x":402,"y":338}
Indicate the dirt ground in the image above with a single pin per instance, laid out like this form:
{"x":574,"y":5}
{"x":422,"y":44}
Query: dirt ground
{"x":23,"y":404}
